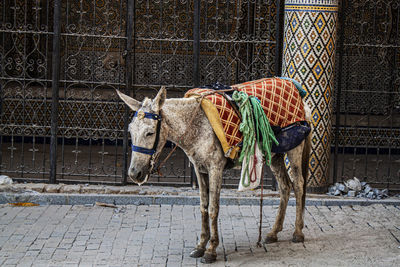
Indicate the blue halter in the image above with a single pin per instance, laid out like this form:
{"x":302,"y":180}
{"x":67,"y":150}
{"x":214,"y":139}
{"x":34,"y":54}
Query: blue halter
{"x":143,"y":150}
{"x":152,"y":116}
{"x":147,"y":115}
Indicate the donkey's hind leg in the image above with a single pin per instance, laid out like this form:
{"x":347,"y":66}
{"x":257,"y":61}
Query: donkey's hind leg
{"x":281,"y":175}
{"x":298,"y":176}
{"x":205,"y":226}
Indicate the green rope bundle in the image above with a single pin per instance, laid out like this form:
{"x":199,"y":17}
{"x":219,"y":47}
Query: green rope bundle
{"x":254,"y":127}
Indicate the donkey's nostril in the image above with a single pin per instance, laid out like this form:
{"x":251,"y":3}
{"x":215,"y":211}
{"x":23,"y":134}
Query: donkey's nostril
{"x":135,"y":175}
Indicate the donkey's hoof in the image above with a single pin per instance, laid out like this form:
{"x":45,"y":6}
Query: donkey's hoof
{"x":298,"y":238}
{"x":270,"y":239}
{"x":208,"y":258}
{"x":197,"y":253}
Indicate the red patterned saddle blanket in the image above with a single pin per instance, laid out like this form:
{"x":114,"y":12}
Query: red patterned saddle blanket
{"x":279,"y":98}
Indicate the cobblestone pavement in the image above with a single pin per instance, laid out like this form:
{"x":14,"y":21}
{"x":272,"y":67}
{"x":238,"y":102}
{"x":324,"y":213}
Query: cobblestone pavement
{"x":164,"y":235}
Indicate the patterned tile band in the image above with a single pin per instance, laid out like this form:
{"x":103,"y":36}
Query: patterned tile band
{"x":312,"y":2}
{"x":311,"y":8}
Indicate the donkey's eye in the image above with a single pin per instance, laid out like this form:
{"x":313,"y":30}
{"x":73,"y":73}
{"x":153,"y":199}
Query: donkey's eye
{"x":149,"y":134}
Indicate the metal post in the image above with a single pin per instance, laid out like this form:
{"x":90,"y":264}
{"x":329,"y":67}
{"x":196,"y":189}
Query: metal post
{"x":196,"y":44}
{"x":338,"y":87}
{"x":55,"y":90}
{"x":279,"y":29}
{"x":129,"y":69}
{"x":196,"y":64}
{"x":1,"y":118}
{"x":280,"y":14}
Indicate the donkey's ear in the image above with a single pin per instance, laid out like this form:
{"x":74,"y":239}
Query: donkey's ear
{"x":159,"y":100}
{"x":132,"y":103}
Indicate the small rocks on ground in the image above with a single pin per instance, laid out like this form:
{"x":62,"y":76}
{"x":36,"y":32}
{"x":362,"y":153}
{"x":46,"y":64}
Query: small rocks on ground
{"x":343,"y":188}
{"x":351,"y":193}
{"x":355,"y":188}
{"x":120,"y":210}
{"x":4,"y":180}
{"x":353,"y":184}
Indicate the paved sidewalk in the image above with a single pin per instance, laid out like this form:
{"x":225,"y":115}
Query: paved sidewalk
{"x":164,"y":235}
{"x":61,"y":194}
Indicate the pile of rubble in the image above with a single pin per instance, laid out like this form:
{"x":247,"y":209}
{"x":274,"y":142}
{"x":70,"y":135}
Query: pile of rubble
{"x":5,"y":180}
{"x":355,"y":188}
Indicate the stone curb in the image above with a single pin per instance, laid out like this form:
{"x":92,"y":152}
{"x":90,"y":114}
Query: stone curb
{"x":90,"y":199}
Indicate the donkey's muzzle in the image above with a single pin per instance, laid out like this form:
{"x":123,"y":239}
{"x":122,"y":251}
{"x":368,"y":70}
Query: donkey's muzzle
{"x":136,"y":176}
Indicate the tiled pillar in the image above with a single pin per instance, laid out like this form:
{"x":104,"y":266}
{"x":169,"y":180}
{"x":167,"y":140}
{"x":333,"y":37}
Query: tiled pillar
{"x":309,"y":57}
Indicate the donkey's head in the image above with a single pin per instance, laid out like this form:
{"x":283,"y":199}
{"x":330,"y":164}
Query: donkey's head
{"x":147,"y":135}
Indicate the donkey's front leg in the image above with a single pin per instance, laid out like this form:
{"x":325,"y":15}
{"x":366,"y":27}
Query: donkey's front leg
{"x":215,"y":181}
{"x":205,"y":226}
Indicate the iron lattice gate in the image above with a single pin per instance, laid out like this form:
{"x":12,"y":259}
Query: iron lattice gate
{"x":137,"y":46}
{"x":62,"y":60}
{"x":367,"y":127}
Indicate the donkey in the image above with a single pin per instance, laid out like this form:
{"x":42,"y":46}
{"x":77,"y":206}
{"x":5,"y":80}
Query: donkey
{"x":181,"y":121}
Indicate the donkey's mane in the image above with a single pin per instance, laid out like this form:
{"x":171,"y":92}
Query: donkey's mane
{"x":179,"y":105}
{"x":180,"y":101}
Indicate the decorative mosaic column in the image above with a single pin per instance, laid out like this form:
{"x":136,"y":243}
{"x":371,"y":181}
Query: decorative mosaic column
{"x":308,"y":57}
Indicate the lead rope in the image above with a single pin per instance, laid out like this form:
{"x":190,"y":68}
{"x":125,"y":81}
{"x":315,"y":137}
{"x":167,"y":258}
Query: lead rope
{"x":261,"y":207}
{"x":255,"y":120}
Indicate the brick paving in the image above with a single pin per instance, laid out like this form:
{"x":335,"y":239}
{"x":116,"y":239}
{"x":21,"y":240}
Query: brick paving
{"x":163,"y":235}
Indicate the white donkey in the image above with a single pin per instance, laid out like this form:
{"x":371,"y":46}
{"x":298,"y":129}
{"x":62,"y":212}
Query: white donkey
{"x":158,"y":120}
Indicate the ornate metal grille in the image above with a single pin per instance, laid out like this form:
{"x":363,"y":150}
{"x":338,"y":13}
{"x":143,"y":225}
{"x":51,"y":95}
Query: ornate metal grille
{"x":180,"y":44}
{"x":368,"y":107}
{"x":25,"y":38}
{"x":236,"y":43}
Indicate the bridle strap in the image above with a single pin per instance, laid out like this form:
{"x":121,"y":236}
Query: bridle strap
{"x":158,"y":130}
{"x":147,"y":115}
{"x":143,"y":150}
{"x":152,"y":116}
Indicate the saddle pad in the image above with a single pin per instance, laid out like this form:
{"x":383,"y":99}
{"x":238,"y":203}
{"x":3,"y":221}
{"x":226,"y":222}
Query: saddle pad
{"x":279,"y":98}
{"x":223,"y":119}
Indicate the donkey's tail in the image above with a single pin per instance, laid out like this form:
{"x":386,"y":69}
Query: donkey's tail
{"x":306,"y":159}
{"x":305,"y":164}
